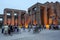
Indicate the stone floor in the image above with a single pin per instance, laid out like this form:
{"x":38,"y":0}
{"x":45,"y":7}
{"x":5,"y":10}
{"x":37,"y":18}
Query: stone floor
{"x":25,"y":35}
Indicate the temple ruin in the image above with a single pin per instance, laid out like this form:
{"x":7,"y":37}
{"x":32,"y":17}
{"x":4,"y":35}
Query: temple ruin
{"x":41,"y":14}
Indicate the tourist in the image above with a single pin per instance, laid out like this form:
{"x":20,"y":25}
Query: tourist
{"x":9,"y":29}
{"x":16,"y":28}
{"x":59,"y":27}
{"x":29,"y":27}
{"x":34,"y":26}
{"x":2,"y":29}
{"x":19,"y":28}
{"x":49,"y":27}
{"x":5,"y":29}
{"x":39,"y":28}
{"x":23,"y":27}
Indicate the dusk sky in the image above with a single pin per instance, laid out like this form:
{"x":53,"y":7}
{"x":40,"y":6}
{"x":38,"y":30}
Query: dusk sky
{"x":20,"y":4}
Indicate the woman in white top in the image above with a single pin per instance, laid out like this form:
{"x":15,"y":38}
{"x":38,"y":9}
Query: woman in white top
{"x":6,"y":29}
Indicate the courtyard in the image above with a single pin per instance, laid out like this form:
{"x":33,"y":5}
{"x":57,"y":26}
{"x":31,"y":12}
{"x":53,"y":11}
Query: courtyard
{"x":45,"y":34}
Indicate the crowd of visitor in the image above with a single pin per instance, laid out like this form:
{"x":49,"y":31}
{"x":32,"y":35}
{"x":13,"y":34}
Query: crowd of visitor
{"x":9,"y":29}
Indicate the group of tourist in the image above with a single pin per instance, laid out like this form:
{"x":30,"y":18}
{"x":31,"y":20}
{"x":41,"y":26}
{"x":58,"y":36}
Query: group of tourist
{"x":8,"y":29}
{"x":54,"y":27}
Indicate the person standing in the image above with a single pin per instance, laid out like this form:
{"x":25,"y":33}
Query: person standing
{"x":5,"y":29}
{"x":10,"y":29}
{"x":34,"y":27}
{"x":23,"y":27}
{"x":2,"y":29}
{"x":29,"y":27}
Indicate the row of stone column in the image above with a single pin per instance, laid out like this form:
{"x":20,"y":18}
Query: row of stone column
{"x":53,"y":14}
{"x":38,"y":17}
{"x":12,"y":18}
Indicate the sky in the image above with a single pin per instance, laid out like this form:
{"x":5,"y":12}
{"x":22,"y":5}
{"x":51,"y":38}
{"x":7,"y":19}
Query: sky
{"x":20,"y":4}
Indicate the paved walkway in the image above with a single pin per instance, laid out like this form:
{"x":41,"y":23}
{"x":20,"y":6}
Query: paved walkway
{"x":25,"y":35}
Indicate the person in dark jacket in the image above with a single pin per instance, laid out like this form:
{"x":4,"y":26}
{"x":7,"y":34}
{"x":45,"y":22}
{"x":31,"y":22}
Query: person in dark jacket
{"x":29,"y":27}
{"x":23,"y":27}
{"x":10,"y":29}
{"x":2,"y":29}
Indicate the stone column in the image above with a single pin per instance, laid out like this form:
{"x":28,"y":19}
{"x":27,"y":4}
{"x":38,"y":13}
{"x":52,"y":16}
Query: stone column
{"x":31,"y":17}
{"x":57,"y":6}
{"x":34,"y":18}
{"x":53,"y":14}
{"x":12,"y":19}
{"x":25,"y":19}
{"x":19,"y":18}
{"x":38,"y":18}
{"x":5,"y":17}
{"x":45,"y":16}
